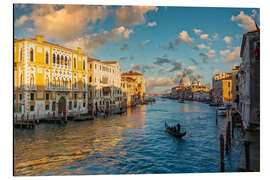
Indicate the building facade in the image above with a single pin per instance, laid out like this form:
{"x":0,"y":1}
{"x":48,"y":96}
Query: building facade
{"x":249,"y":80}
{"x":104,"y":85}
{"x":49,"y":79}
{"x":222,"y":88}
{"x":138,"y":84}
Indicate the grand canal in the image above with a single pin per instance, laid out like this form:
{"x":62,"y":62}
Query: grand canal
{"x":126,"y":144}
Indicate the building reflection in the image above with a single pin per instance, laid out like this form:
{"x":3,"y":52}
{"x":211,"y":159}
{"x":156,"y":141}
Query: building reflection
{"x":52,"y":148}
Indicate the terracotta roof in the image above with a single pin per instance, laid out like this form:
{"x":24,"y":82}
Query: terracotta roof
{"x":92,"y":59}
{"x":110,"y":62}
{"x":131,"y":73}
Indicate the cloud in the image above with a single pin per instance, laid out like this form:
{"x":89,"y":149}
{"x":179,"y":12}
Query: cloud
{"x":233,"y":56}
{"x":254,"y":13}
{"x":184,"y":37}
{"x":204,"y":36}
{"x":209,"y":55}
{"x":63,"y":23}
{"x":124,"y":47}
{"x":123,"y":58}
{"x":197,"y":31}
{"x":194,"y":61}
{"x":142,"y":67}
{"x":132,"y":15}
{"x":142,"y":44}
{"x":227,"y":39}
{"x":152,"y":83}
{"x":201,"y":46}
{"x":152,"y":24}
{"x":21,"y":20}
{"x":91,"y":43}
{"x":246,"y":21}
{"x":177,"y":65}
{"x":224,"y":52}
{"x":215,"y":37}
{"x":162,"y":60}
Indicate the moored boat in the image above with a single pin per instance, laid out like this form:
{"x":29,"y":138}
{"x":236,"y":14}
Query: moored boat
{"x":181,"y":100}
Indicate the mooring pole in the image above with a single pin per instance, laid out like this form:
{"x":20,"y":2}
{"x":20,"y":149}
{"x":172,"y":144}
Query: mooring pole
{"x":228,"y":138}
{"x":246,"y":144}
{"x":221,"y":153}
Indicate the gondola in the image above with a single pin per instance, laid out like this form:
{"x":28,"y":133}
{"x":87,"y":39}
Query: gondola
{"x":173,"y":133}
{"x":180,"y":101}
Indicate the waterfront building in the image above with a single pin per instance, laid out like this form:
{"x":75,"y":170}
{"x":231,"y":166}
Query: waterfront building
{"x":140,"y":84}
{"x":222,"y":88}
{"x":186,"y":90}
{"x":249,"y":80}
{"x":130,"y":90}
{"x":49,"y":79}
{"x":104,"y":85}
{"x":235,"y":87}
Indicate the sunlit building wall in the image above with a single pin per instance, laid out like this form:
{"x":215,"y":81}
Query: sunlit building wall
{"x":48,"y":78}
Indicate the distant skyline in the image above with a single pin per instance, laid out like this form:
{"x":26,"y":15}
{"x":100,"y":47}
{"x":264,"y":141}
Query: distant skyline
{"x":161,"y":42}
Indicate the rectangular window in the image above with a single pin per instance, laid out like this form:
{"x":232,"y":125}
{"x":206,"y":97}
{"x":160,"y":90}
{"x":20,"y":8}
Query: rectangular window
{"x":20,"y":97}
{"x":75,"y":96}
{"x":70,"y":105}
{"x":32,"y":96}
{"x":47,"y":96}
{"x":47,"y":107}
{"x":75,"y":104}
{"x":32,"y":108}
{"x":83,"y":104}
{"x":53,"y":105}
{"x":84,"y":95}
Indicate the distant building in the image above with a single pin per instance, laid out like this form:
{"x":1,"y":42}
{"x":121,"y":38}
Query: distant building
{"x":249,"y":80}
{"x":133,"y":85}
{"x":186,"y":90}
{"x":222,"y":88}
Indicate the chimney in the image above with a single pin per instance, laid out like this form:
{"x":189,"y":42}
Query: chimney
{"x":40,"y":38}
{"x":79,"y":50}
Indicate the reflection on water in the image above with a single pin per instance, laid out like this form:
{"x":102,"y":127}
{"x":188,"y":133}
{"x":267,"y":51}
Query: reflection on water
{"x":132,"y":143}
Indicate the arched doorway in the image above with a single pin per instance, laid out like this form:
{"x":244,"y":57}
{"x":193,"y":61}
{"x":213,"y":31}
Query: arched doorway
{"x":62,"y":105}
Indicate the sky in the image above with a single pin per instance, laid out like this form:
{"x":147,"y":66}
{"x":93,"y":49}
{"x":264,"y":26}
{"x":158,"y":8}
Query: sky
{"x":160,"y":42}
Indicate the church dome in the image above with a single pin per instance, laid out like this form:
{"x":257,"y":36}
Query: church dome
{"x":185,"y":80}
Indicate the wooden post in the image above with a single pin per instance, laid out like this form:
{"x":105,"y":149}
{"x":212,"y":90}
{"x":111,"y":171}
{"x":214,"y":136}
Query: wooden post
{"x":246,"y":144}
{"x":228,"y":137}
{"x":233,"y":124}
{"x":34,"y":119}
{"x":216,"y":117}
{"x":221,"y":138}
{"x":16,"y":119}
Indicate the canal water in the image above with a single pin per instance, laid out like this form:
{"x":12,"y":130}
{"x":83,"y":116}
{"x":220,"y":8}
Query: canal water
{"x":134,"y":143}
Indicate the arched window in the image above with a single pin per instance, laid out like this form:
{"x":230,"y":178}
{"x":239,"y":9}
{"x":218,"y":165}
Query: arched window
{"x":69,"y":62}
{"x":90,"y":79}
{"x":74,"y":63}
{"x":53,"y":58}
{"x":32,"y":80}
{"x":47,"y":57}
{"x":83,"y":64}
{"x":31,"y":55}
{"x":58,"y":59}
{"x":62,"y":60}
{"x":66,"y":63}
